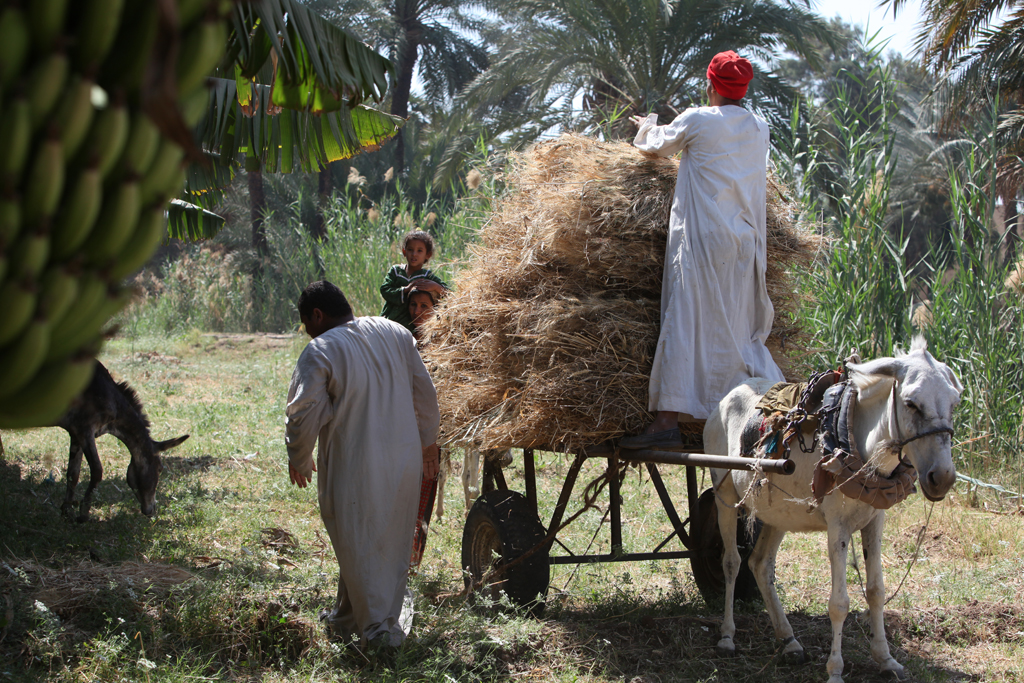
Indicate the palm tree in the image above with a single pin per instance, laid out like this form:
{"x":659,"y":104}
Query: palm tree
{"x":628,"y":57}
{"x":434,"y":39}
{"x":978,"y":49}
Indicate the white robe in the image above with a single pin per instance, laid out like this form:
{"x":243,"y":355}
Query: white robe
{"x":715,"y":311}
{"x":363,"y":391}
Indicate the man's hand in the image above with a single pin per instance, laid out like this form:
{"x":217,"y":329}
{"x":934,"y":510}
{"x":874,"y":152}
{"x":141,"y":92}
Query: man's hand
{"x":431,"y":461}
{"x":298,"y":479}
{"x":422,"y":284}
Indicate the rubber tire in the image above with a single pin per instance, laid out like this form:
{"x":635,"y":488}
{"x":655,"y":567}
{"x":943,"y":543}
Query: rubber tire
{"x":707,"y":564}
{"x":502,"y":523}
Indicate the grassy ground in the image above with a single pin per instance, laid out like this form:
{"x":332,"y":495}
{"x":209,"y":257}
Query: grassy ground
{"x":226,"y":583}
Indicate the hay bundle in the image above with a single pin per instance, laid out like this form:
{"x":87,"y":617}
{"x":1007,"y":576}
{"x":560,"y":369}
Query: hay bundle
{"x":549,"y":337}
{"x":82,"y":585}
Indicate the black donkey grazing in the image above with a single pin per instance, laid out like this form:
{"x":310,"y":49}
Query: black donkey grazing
{"x":109,"y":407}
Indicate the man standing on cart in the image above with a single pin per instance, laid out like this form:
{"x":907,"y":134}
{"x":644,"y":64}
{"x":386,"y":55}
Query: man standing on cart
{"x":715,"y":310}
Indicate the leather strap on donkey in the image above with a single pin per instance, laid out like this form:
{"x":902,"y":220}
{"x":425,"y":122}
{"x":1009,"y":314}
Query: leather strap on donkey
{"x":843,"y":463}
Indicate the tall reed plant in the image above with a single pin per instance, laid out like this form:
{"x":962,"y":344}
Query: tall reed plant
{"x":214,"y":288}
{"x":864,"y":293}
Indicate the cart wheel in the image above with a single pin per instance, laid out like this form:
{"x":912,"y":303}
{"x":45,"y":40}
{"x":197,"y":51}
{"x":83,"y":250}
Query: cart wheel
{"x":707,"y":564}
{"x":500,"y":527}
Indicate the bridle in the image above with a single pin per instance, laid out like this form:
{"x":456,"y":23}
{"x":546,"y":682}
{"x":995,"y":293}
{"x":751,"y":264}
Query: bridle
{"x":901,"y":442}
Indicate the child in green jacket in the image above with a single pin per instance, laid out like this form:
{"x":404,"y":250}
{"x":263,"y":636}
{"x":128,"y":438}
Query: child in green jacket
{"x":417,"y":247}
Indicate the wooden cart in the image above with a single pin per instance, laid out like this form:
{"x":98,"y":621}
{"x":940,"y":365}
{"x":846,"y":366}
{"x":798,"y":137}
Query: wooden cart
{"x":507,"y":549}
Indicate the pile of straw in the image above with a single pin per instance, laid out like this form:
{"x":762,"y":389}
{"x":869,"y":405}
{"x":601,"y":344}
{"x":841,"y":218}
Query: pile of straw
{"x":549,"y":336}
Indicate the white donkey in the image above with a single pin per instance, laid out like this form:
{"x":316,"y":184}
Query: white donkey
{"x":898,"y":411}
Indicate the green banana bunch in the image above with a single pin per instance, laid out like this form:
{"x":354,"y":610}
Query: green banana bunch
{"x":83,"y":178}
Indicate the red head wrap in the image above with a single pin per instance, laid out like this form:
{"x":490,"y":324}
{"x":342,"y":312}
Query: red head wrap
{"x":730,"y":74}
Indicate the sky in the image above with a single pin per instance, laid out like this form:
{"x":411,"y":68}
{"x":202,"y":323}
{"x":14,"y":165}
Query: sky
{"x":900,"y":32}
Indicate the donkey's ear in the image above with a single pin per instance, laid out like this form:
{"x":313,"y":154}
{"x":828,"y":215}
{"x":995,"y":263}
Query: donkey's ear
{"x":169,"y":444}
{"x":953,"y":379}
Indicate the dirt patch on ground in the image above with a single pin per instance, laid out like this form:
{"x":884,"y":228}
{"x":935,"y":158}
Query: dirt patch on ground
{"x":248,"y":342}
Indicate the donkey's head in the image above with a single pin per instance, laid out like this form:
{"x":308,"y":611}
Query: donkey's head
{"x":919,"y":418}
{"x":145,"y":468}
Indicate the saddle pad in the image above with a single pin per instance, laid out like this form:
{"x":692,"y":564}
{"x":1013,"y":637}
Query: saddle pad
{"x":781,"y":398}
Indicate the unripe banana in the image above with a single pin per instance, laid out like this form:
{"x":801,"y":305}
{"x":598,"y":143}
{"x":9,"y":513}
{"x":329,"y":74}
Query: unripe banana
{"x":149,"y":233}
{"x":97,"y":30}
{"x":46,"y":20}
{"x":18,"y":302}
{"x":74,"y":113}
{"x":29,"y":254}
{"x":162,"y":172}
{"x":45,"y":84}
{"x":143,"y":141}
{"x":88,"y":331}
{"x":10,"y":219}
{"x":15,"y":138}
{"x":77,"y":214}
{"x":107,"y":138}
{"x":118,"y":217}
{"x":44,"y":183}
{"x":58,"y":289}
{"x":91,"y":291}
{"x":20,"y":361}
{"x":46,"y":397}
{"x":14,"y":38}
{"x":201,"y":49}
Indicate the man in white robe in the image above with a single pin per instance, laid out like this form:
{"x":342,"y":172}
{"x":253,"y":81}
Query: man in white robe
{"x":715,"y":311}
{"x":362,"y":392}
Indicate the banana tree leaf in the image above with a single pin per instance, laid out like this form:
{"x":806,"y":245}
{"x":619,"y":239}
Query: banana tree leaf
{"x":190,"y":222}
{"x":319,"y":64}
{"x":236,"y":133}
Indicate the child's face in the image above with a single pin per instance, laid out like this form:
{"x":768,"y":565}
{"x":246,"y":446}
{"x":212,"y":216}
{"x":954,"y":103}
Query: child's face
{"x":421,"y":307}
{"x":416,"y":255}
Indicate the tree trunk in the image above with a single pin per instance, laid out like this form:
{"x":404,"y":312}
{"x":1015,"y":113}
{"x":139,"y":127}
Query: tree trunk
{"x":405,"y":66}
{"x":257,"y":209}
{"x":325,"y":185}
